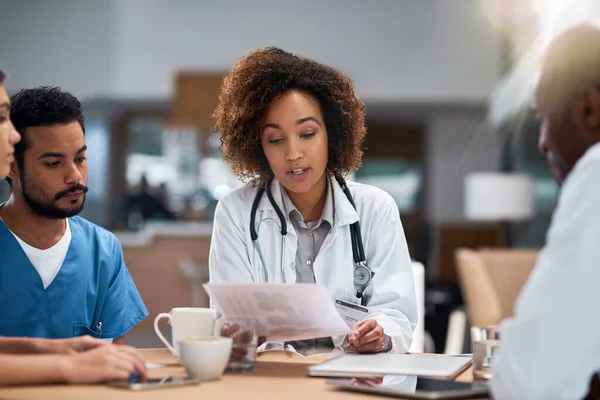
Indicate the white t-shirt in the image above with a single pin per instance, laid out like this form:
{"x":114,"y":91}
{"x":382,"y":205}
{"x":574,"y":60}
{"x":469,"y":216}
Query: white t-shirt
{"x":49,"y":261}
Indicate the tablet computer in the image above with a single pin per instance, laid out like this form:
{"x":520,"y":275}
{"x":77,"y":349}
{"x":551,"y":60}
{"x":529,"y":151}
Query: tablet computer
{"x":412,"y":387}
{"x":375,"y":365}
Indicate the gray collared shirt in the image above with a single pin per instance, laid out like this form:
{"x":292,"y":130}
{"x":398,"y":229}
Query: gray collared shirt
{"x":311,"y":235}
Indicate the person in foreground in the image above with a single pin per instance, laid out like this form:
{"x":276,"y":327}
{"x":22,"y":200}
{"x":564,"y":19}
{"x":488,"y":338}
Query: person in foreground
{"x":551,"y":347}
{"x":76,"y":360}
{"x":61,"y":276}
{"x":294,"y":128}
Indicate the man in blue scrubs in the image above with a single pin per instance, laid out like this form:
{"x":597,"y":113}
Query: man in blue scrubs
{"x":60,"y":275}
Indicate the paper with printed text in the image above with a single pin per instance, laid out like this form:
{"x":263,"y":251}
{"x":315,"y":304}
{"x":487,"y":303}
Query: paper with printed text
{"x":284,"y":312}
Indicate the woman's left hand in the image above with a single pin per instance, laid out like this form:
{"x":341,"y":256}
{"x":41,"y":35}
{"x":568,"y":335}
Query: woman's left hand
{"x":367,"y":337}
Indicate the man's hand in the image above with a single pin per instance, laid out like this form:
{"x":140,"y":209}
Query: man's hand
{"x":102,"y":364}
{"x":69,"y":346}
{"x":367,"y":337}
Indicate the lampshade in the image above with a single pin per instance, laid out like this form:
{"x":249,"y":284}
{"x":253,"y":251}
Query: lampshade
{"x":493,"y":196}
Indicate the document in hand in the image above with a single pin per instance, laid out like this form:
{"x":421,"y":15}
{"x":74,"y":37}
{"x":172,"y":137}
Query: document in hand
{"x":284,"y":312}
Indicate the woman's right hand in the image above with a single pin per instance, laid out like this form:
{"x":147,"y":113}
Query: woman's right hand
{"x":102,"y":364}
{"x":229,"y":330}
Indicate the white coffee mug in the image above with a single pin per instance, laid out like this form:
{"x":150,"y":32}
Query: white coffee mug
{"x":186,"y":321}
{"x":205,"y":357}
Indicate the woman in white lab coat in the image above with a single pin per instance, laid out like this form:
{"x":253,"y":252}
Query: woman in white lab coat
{"x":294,"y":128}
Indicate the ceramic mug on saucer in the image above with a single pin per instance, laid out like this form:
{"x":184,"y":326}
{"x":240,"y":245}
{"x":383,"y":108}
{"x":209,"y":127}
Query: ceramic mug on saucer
{"x":186,"y":321}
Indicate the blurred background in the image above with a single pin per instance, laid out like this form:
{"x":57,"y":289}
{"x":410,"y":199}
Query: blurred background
{"x":446,"y":84}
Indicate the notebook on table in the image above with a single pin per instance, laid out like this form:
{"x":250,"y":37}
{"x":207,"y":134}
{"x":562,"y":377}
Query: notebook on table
{"x":377,"y":365}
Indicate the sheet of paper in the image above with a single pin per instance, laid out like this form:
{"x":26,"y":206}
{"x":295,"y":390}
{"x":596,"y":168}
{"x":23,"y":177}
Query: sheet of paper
{"x":284,"y":311}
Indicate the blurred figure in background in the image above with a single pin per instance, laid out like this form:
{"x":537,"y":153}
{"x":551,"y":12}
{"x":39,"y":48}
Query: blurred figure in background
{"x":144,"y":206}
{"x":551,"y":347}
{"x":77,"y":360}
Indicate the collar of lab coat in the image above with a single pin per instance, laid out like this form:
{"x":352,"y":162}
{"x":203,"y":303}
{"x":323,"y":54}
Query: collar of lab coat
{"x":345,"y":214}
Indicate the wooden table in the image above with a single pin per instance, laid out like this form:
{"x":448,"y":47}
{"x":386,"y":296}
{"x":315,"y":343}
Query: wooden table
{"x":278,"y":376}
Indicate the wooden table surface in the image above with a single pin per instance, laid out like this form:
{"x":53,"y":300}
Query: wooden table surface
{"x":278,"y":376}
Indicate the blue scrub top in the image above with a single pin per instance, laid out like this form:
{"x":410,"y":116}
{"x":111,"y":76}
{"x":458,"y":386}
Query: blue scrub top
{"x":92,"y":294}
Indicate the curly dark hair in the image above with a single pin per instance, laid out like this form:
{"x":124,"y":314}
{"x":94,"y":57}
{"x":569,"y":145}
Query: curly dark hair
{"x":265,"y":74}
{"x":41,"y":106}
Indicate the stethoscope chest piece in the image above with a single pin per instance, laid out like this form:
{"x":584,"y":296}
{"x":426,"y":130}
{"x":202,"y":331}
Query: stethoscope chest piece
{"x":362,"y":277}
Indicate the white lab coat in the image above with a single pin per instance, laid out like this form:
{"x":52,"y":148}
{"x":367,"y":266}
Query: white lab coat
{"x":392,"y":303}
{"x":551,"y":347}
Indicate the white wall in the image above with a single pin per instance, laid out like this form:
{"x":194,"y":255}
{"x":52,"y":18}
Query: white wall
{"x":459,"y":141}
{"x":393,"y":49}
{"x":398,"y":50}
{"x":404,"y":51}
{"x":61,"y":42}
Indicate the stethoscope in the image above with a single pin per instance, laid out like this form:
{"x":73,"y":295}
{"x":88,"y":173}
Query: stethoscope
{"x":362,"y":273}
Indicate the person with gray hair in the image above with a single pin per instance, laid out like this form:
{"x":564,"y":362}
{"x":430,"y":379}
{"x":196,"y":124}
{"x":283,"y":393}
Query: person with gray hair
{"x":550,"y":349}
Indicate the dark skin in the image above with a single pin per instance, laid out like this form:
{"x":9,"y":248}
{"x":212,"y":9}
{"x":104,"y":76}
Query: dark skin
{"x":567,"y":99}
{"x":567,"y":130}
{"x":366,"y":337}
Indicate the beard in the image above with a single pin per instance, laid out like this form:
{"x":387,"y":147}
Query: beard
{"x":44,"y":204}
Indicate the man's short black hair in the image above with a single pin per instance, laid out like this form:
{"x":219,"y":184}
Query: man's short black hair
{"x":41,"y":106}
{"x":2,"y":76}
